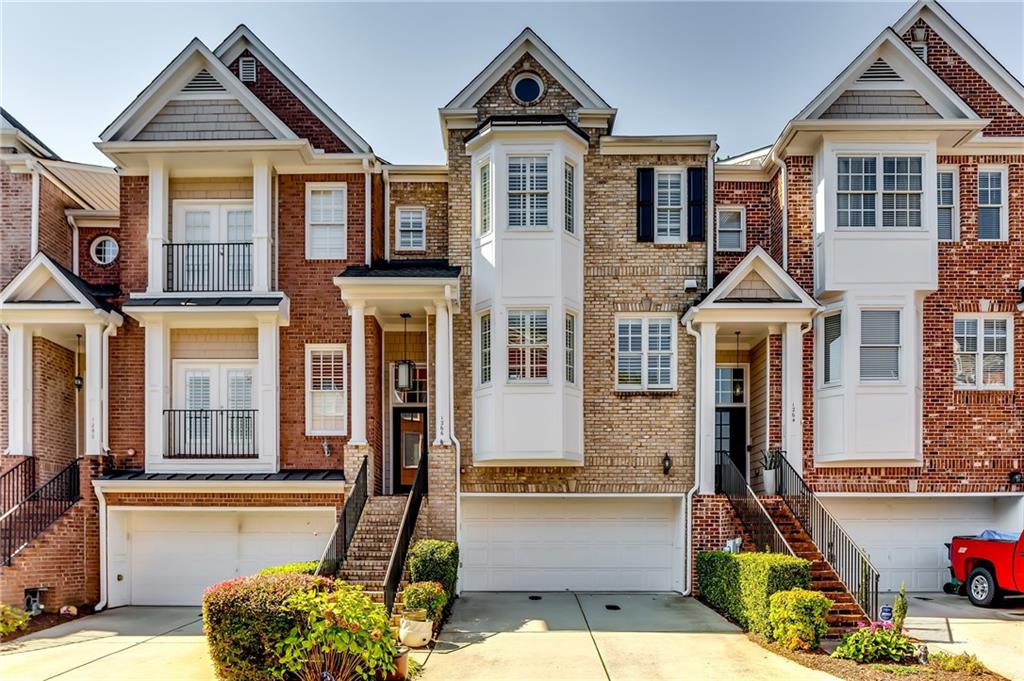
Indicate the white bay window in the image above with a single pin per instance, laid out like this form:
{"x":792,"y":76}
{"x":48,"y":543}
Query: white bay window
{"x":527,"y":346}
{"x":880,"y":345}
{"x":861,"y":195}
{"x":528,"y":192}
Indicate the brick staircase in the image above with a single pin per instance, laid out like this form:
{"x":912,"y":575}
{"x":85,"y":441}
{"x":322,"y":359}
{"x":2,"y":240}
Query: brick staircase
{"x":846,"y":614}
{"x":374,"y":540}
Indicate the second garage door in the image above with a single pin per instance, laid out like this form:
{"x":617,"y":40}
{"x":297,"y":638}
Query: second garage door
{"x":560,"y":543}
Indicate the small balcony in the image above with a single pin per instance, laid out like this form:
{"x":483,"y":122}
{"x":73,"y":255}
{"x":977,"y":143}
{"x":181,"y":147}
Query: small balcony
{"x":211,"y":434}
{"x":209,"y":267}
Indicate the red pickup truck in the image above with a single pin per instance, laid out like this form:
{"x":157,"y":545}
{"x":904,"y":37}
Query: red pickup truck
{"x":988,"y":568}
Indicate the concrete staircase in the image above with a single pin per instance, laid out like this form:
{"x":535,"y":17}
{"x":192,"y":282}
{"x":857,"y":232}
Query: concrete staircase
{"x":374,"y":540}
{"x":846,"y":614}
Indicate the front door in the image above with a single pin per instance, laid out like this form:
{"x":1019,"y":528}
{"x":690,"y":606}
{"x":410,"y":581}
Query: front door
{"x":731,"y":435}
{"x":408,"y":442}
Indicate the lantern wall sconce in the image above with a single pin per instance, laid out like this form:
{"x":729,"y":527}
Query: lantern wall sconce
{"x":404,"y":368}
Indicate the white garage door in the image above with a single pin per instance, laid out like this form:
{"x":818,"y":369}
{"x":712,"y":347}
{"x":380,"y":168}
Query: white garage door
{"x":176,"y":555}
{"x":553,"y":544}
{"x":905,"y":538}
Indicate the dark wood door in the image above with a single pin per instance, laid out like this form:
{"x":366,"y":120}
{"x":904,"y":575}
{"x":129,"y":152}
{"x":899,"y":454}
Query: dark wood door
{"x":408,"y":442}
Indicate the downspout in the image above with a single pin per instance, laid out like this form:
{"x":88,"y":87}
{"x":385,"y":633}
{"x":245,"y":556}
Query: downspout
{"x":387,"y":214}
{"x":103,"y":547}
{"x":105,"y":387}
{"x":33,"y":166}
{"x":451,"y":425}
{"x":74,"y":243}
{"x":688,"y":556}
{"x":367,"y":213}
{"x":784,"y":198}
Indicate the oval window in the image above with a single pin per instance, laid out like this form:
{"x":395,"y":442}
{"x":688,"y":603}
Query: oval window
{"x":527,"y":88}
{"x":104,"y":250}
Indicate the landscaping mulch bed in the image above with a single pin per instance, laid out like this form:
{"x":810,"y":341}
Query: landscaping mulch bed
{"x":851,"y":671}
{"x":44,"y":620}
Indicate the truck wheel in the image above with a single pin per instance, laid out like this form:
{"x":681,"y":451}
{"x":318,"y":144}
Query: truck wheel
{"x":981,"y":588}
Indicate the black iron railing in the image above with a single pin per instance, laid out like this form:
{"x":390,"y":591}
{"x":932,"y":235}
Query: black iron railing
{"x":202,"y":267}
{"x":396,"y":566}
{"x":211,"y":434}
{"x":38,"y":511}
{"x":848,"y":560}
{"x":762,"y":532}
{"x":337,"y":548}
{"x":16,"y":484}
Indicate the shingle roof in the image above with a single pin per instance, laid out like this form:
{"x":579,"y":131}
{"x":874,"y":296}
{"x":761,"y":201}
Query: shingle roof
{"x":28,"y":133}
{"x":515,"y":120}
{"x":421,"y":268}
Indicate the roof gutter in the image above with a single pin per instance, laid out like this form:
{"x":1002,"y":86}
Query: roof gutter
{"x":367,"y":213}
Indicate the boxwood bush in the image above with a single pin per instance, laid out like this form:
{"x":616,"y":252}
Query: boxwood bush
{"x":307,"y":567}
{"x":798,"y":618}
{"x":434,"y":560}
{"x":739,"y":585}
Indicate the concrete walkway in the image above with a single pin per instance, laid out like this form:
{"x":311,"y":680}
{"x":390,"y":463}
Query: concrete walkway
{"x":124,"y":644}
{"x":614,"y":637}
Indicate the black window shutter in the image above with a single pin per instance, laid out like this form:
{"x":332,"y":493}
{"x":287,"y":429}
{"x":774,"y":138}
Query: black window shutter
{"x":645,"y":204}
{"x":696,"y":216}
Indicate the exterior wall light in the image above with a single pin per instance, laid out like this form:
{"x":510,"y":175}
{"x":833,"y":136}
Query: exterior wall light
{"x":666,"y":463}
{"x":403,"y":381}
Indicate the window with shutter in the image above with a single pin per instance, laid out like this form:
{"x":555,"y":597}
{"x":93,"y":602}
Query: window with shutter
{"x":325,"y":390}
{"x":981,"y":352}
{"x":880,"y":345}
{"x":645,"y":351}
{"x":991,"y":204}
{"x":946,"y":200}
{"x":412,"y":230}
{"x":326,"y":221}
{"x":732,"y":228}
{"x":527,"y":346}
{"x":832,"y":354}
{"x":668,"y":207}
{"x":527,"y":192}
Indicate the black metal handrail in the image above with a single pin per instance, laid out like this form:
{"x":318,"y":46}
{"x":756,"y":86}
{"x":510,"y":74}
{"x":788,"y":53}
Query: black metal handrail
{"x":396,"y":566}
{"x":206,"y":267}
{"x":17,"y":483}
{"x":336,"y":551}
{"x":38,"y":511}
{"x":848,"y":560}
{"x":211,"y":434}
{"x":764,"y":535}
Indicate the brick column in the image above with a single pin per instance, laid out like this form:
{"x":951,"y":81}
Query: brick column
{"x":438,"y":511}
{"x":354,"y":455}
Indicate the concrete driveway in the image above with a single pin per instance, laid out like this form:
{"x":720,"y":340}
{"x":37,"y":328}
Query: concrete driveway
{"x":951,"y":623}
{"x":124,"y":644}
{"x":618,"y":636}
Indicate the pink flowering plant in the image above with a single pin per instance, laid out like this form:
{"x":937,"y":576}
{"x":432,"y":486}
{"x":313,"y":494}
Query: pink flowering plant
{"x":875,"y":642}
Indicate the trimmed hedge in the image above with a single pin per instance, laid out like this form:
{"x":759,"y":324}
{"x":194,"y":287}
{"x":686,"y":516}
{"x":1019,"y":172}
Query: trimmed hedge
{"x":307,"y":567}
{"x":434,"y":560}
{"x":740,"y":585}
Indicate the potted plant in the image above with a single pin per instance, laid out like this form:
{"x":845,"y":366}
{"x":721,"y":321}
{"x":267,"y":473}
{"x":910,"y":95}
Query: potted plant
{"x":771,"y":459}
{"x":423,"y":603}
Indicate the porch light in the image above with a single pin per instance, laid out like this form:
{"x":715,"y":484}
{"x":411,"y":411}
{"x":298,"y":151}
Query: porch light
{"x":666,"y":463}
{"x":78,"y":351}
{"x":403,"y":381}
{"x":737,"y":386}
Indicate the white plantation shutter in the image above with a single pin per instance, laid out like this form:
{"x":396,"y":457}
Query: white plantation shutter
{"x":527,"y":345}
{"x":239,"y":389}
{"x":327,"y":223}
{"x":879,"y":345}
{"x":630,"y":346}
{"x":485,"y":199}
{"x":326,"y":391}
{"x":570,"y":198}
{"x":668,"y":199}
{"x":993,"y":358}
{"x":197,"y":226}
{"x":833,"y":343}
{"x":485,"y":347}
{"x":239,"y":226}
{"x":645,"y":353}
{"x":197,"y":389}
{"x":528,"y":192}
{"x":412,"y":229}
{"x":730,"y":230}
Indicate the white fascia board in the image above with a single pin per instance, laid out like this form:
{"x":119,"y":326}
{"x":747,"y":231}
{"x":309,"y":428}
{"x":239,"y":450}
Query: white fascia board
{"x":625,"y":145}
{"x":41,"y":314}
{"x":915,"y":495}
{"x":578,"y":495}
{"x":741,"y":173}
{"x":758,"y":255}
{"x":242,"y":38}
{"x":213,"y":486}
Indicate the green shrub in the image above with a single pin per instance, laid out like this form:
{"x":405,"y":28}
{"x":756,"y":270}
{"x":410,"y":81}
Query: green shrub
{"x":964,"y":662}
{"x":899,"y":609}
{"x":12,"y":619}
{"x":304,"y":568}
{"x":429,"y":596}
{"x":341,"y":632}
{"x":798,"y":618}
{"x":740,"y":584}
{"x":875,"y":643}
{"x":434,"y":560}
{"x":245,"y":618}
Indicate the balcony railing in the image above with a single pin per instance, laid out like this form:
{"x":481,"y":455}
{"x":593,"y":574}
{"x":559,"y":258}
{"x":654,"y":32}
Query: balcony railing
{"x":211,"y":434}
{"x":205,"y":268}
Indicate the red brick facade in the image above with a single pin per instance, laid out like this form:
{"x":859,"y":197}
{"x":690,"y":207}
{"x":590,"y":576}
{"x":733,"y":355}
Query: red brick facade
{"x":53,"y":422}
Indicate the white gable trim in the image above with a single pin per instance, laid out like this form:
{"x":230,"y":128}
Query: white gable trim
{"x":528,"y":41}
{"x":167,"y":85}
{"x":242,"y":38}
{"x":27,"y":283}
{"x":973,"y":52}
{"x":916,"y":75}
{"x":758,"y":260}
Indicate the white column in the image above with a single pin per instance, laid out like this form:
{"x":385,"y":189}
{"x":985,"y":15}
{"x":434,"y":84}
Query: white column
{"x":261,"y":192}
{"x":268,"y":369}
{"x":19,"y":389}
{"x":94,"y":389}
{"x":706,"y":405}
{"x":156,"y":390}
{"x":157,"y":234}
{"x":442,"y":373}
{"x":357,"y":434}
{"x":793,"y":395}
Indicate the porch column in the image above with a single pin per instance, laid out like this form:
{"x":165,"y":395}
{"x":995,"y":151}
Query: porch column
{"x":793,"y":395}
{"x":442,"y":375}
{"x":94,"y":404}
{"x":157,"y":365}
{"x":268,"y":365}
{"x":157,"y":231}
{"x":19,"y":390}
{"x":357,"y":433}
{"x":261,"y":191}
{"x":706,"y":405}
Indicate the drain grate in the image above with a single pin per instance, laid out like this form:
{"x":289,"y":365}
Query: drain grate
{"x":612,"y":606}
{"x":536,"y":598}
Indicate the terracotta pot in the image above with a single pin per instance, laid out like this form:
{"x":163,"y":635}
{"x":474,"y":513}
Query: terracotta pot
{"x":401,"y":665}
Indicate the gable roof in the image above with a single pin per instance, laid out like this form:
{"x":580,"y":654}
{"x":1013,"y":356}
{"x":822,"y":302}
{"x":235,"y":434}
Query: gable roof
{"x":10,"y":122}
{"x":528,"y":41}
{"x":95,"y":187}
{"x":169,"y":82}
{"x":242,"y":38}
{"x":43,"y":276}
{"x":729,"y":292}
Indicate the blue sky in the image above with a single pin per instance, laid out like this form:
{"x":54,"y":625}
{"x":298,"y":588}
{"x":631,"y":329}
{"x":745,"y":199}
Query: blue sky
{"x":740,"y":70}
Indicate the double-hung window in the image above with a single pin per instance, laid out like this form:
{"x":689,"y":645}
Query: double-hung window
{"x":901,"y":191}
{"x":992,"y":205}
{"x":668,"y":206}
{"x":326,"y":221}
{"x":412,"y":229}
{"x":732,"y":228}
{"x":645,"y":349}
{"x":981,"y":352}
{"x":946,"y":204}
{"x":879,"y":345}
{"x":857,"y":185}
{"x":325,"y":390}
{"x":861,"y":195}
{"x":484,"y":199}
{"x":832,"y":348}
{"x":528,"y":192}
{"x":485,"y":348}
{"x":570,"y":347}
{"x":570,"y":198}
{"x":527,"y":346}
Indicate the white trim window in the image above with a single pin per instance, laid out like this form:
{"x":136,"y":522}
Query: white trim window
{"x":992,"y":204}
{"x":485,"y":199}
{"x":732,"y":229}
{"x":981,"y":352}
{"x":645,"y":353}
{"x":570,"y":348}
{"x":326,"y":221}
{"x":668,"y":206}
{"x":832,"y":349}
{"x":730,"y":385}
{"x":857,"y":185}
{"x":485,"y":348}
{"x":947,"y":201}
{"x":412,"y":229}
{"x":860,"y":196}
{"x":326,"y":381}
{"x":528,"y":192}
{"x":880,"y":345}
{"x":104,"y":250}
{"x":902,"y":187}
{"x":527,"y":346}
{"x":570,"y":198}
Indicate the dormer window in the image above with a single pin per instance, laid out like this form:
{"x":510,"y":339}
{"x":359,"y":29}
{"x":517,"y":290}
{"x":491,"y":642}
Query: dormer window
{"x":528,"y":192}
{"x":527,"y":88}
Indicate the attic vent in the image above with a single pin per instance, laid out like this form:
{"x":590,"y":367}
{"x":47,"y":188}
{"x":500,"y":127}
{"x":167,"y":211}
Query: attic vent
{"x":247,"y":69}
{"x":880,"y":72}
{"x":203,"y":82}
{"x":920,"y":49}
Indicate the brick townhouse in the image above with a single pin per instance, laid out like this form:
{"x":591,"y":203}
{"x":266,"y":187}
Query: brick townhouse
{"x":579,"y":349}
